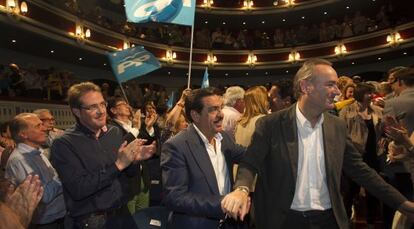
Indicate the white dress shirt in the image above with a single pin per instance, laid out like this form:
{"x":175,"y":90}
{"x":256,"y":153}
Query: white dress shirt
{"x":128,"y":127}
{"x":218,"y":161}
{"x":311,"y":191}
{"x":230,"y":119}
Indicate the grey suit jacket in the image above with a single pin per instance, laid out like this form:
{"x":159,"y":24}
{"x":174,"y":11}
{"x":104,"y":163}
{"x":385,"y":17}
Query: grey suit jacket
{"x":190,"y":184}
{"x":273,"y":154}
{"x":402,"y":106}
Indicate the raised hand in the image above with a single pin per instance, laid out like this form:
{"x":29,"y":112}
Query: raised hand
{"x":145,"y":151}
{"x":126,"y":153}
{"x":396,"y":152}
{"x":24,"y":199}
{"x":136,"y":119}
{"x":150,"y":119}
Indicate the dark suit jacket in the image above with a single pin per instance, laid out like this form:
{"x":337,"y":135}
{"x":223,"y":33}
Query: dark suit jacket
{"x":273,"y":154}
{"x":190,"y":184}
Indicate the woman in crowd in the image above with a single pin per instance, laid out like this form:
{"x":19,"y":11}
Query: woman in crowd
{"x":363,"y":122}
{"x":256,"y":106}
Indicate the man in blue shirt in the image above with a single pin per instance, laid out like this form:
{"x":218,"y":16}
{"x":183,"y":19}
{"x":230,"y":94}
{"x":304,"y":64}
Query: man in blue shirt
{"x":29,"y":133}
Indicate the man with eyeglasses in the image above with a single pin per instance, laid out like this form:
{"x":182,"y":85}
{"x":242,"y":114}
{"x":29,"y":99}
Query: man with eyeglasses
{"x":394,"y":82}
{"x":49,"y":123}
{"x":93,"y":161}
{"x":197,"y":164}
{"x":122,"y":116}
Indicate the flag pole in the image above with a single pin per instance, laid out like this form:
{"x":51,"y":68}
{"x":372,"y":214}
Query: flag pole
{"x":191,"y":56}
{"x":123,"y":92}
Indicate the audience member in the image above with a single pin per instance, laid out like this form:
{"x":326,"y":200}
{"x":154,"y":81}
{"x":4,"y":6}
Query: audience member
{"x":196,"y":164}
{"x":29,"y":133}
{"x":122,"y":116}
{"x":19,"y":203}
{"x":92,"y":160}
{"x":233,"y":108}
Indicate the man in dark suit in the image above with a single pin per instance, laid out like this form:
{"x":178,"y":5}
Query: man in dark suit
{"x":298,"y":154}
{"x":197,"y":164}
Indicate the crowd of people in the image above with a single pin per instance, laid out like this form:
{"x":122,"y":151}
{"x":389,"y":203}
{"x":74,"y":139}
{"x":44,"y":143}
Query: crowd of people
{"x":306,"y":150}
{"x":312,"y":32}
{"x":32,"y":82}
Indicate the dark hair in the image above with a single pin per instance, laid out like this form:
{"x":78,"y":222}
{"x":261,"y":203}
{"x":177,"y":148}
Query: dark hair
{"x":193,"y":100}
{"x":407,"y":76}
{"x":4,"y":126}
{"x":361,"y":90}
{"x":112,"y":102}
{"x":285,"y":87}
{"x":395,"y":69}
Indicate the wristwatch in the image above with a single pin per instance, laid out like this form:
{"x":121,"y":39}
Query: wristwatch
{"x":243,"y":189}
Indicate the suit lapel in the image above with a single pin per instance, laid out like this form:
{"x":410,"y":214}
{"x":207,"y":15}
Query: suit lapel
{"x":202,"y":159}
{"x":290,"y":136}
{"x":329,"y":139}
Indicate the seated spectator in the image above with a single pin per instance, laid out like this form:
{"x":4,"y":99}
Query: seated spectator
{"x":16,"y":81}
{"x":359,"y":23}
{"x":278,"y":38}
{"x":33,"y":83}
{"x":29,"y":133}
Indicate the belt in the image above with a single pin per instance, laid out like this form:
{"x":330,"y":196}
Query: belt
{"x":312,"y":213}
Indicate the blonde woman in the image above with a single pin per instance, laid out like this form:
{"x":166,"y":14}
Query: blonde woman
{"x":256,"y":106}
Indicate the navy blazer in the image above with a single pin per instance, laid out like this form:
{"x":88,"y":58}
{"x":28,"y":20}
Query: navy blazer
{"x":190,"y":184}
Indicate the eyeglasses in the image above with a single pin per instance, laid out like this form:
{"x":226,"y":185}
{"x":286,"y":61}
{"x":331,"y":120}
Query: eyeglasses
{"x":392,"y":80}
{"x":95,"y":107}
{"x":122,"y":103}
{"x":47,"y":119}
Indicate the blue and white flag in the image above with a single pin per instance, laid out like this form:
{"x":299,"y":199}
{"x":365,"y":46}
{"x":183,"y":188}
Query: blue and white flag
{"x":169,"y":11}
{"x":205,"y":83}
{"x":132,"y":63}
{"x":170,"y":101}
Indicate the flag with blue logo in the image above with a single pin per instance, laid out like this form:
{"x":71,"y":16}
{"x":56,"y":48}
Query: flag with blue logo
{"x":205,"y":83}
{"x":132,"y":63}
{"x":169,"y":11}
{"x":170,"y":101}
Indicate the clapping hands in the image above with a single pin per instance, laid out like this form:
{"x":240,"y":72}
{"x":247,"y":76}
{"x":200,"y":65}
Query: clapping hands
{"x":134,"y":152}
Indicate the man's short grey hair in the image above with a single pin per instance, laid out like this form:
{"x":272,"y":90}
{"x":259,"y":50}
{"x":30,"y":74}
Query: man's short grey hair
{"x":232,"y":95}
{"x":306,"y":73}
{"x":18,"y":124}
{"x":39,"y":111}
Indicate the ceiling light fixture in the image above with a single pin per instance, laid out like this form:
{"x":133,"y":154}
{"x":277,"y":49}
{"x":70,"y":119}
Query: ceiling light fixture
{"x":248,"y":4}
{"x":251,"y":60}
{"x":211,"y":59}
{"x":207,"y":4}
{"x":340,"y":50}
{"x":294,"y":56}
{"x":394,"y":39}
{"x":170,"y":56}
